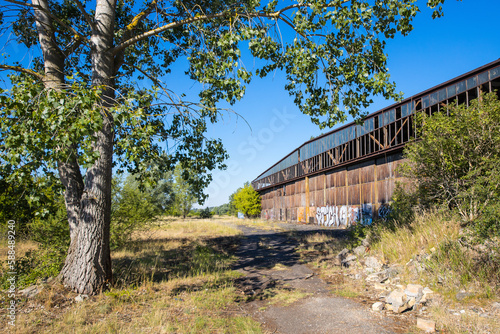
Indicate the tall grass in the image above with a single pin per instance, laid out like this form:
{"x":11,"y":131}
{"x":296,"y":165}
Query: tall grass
{"x":446,"y":260}
{"x":399,"y":242}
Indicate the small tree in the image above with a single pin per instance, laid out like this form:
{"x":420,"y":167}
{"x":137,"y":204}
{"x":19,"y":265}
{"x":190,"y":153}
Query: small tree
{"x":247,"y":201}
{"x":183,"y":192}
{"x":132,"y":207}
{"x":455,"y":162}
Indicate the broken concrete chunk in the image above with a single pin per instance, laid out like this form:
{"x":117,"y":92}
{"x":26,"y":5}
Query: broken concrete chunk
{"x":360,"y":250}
{"x":372,"y":262}
{"x":349,"y":261}
{"x":398,"y":300}
{"x":393,"y":271}
{"x":415,"y":291}
{"x":343,"y":254}
{"x":428,"y":326}
{"x":378,"y":306}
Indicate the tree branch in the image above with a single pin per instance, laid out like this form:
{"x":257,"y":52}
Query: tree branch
{"x":22,"y":70}
{"x":84,"y":13}
{"x":261,"y":14}
{"x":166,"y":27}
{"x":141,"y":16}
{"x":73,"y":46}
{"x":52,"y":16}
{"x":128,"y":32}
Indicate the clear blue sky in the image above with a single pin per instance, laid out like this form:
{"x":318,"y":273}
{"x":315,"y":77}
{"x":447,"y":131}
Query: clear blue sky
{"x":465,"y":38}
{"x":434,"y":52}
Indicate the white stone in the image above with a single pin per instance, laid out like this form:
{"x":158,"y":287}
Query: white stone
{"x":372,"y":262}
{"x":360,"y":250}
{"x":428,"y":326}
{"x":398,"y":300}
{"x":81,"y":298}
{"x":414,"y":290}
{"x":378,"y":306}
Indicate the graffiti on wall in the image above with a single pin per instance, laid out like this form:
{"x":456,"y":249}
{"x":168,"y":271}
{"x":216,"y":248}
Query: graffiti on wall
{"x":344,"y":215}
{"x":366,"y":214}
{"x":384,"y":211}
{"x":332,"y":215}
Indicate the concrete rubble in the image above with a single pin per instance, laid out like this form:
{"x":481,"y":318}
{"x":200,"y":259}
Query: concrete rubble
{"x":392,"y":296}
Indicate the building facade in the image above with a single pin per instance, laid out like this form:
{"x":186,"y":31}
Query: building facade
{"x":348,"y":175}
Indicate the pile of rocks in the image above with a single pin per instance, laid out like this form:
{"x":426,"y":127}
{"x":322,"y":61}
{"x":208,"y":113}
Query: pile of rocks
{"x":393,"y":297}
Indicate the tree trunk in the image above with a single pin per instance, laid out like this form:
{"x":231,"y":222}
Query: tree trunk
{"x":88,"y":265}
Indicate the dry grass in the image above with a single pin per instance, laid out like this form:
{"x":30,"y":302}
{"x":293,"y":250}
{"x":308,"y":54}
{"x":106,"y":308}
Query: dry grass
{"x":429,"y":230}
{"x":444,"y":262}
{"x":285,"y":297}
{"x":176,"y":278}
{"x":260,"y":224}
{"x":22,"y":247}
{"x":194,"y":228}
{"x":463,"y":319}
{"x":190,"y":305}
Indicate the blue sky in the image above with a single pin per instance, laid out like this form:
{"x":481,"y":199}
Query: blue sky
{"x":465,"y":38}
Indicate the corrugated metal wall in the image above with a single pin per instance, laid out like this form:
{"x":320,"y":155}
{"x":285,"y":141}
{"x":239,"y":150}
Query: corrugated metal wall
{"x":364,"y":187}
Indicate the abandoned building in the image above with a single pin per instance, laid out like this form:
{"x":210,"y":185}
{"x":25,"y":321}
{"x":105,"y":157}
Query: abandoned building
{"x":348,"y":175}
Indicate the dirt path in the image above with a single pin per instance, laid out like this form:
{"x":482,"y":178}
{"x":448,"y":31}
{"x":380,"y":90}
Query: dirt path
{"x":262,"y":252}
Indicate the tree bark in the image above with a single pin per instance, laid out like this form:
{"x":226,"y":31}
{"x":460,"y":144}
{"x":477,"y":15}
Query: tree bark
{"x":88,"y":265}
{"x":69,"y":171}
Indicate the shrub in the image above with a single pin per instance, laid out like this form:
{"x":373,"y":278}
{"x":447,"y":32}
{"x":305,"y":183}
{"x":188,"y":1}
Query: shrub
{"x":131,"y":209}
{"x":206,"y":213}
{"x":52,"y":235}
{"x":455,"y":162}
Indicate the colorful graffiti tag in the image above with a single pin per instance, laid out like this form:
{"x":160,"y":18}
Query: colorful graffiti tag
{"x":384,"y":211}
{"x":344,"y":215}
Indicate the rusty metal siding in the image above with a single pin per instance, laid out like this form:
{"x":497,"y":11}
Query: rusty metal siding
{"x":369,"y":183}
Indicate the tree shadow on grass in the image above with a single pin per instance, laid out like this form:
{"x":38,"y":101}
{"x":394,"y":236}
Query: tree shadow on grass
{"x":153,"y":260}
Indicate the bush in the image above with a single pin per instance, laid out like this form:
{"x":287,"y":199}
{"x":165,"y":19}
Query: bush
{"x":52,"y":235}
{"x":131,"y":210}
{"x":26,"y":200}
{"x":206,"y":213}
{"x":455,"y":162}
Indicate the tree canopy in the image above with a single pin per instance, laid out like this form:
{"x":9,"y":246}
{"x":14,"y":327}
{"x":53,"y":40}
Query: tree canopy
{"x":247,"y":201}
{"x":75,"y":111}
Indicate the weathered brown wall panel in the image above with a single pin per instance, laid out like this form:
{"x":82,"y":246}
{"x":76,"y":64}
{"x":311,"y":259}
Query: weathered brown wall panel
{"x":354,"y":194}
{"x":367,"y":172}
{"x":358,"y":190}
{"x":367,"y":193}
{"x":330,"y":177}
{"x":340,"y":178}
{"x":353,"y":175}
{"x":340,"y":194}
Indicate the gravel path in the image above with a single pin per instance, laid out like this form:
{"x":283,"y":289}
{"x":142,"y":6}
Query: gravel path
{"x":321,"y":311}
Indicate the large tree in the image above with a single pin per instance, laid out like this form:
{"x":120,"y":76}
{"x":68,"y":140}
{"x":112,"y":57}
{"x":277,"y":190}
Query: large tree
{"x":74,"y":112}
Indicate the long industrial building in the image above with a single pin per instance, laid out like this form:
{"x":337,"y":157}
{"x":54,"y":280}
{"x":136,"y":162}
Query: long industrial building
{"x":348,"y":175}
